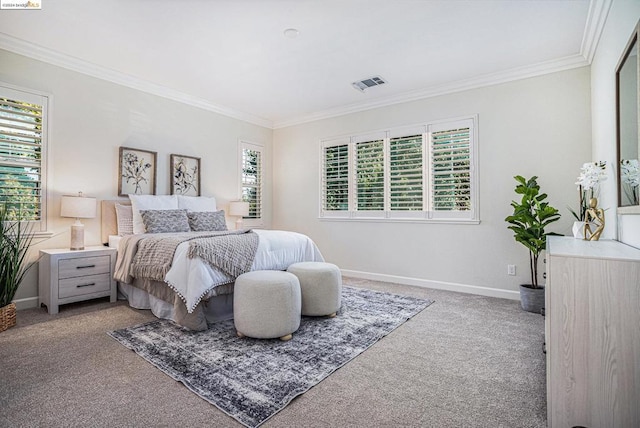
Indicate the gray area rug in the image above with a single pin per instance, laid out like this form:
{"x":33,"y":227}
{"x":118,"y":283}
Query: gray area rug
{"x":252,"y":379}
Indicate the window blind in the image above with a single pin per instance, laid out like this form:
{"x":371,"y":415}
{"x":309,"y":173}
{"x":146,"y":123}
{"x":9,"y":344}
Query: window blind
{"x":335,"y":182}
{"x":406,"y":173}
{"x":451,"y":170}
{"x":370,"y":176}
{"x":252,"y":180}
{"x":21,"y":149}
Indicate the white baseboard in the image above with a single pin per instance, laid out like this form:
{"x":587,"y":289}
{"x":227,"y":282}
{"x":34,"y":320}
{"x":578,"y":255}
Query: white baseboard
{"x":32,"y":302}
{"x":29,"y":302}
{"x":438,"y":285}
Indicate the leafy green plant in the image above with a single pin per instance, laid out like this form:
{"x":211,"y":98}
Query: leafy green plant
{"x":15,"y":240}
{"x":529,"y":219}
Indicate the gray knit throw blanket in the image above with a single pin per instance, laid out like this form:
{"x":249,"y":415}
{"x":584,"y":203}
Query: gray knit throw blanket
{"x":229,"y":251}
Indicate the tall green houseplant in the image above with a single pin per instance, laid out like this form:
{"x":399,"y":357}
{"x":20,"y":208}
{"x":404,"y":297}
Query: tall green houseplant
{"x":529,"y":219}
{"x":15,"y":239}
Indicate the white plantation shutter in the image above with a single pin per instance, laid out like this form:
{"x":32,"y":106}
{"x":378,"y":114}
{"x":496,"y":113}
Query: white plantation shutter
{"x":335,"y":180}
{"x":22,"y":147}
{"x":369,"y":172}
{"x":406,"y":181}
{"x":424,"y":172}
{"x":251,"y":158}
{"x":451,"y":166}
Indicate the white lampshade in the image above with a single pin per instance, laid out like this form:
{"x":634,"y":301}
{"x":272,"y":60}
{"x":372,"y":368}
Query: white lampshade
{"x":78,"y":207}
{"x":239,"y":208}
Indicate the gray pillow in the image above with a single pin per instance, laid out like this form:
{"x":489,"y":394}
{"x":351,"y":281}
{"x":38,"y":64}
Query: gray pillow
{"x":165,"y":221}
{"x":207,"y":221}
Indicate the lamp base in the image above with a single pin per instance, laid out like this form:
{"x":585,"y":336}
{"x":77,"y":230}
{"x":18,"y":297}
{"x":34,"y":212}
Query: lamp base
{"x":239,"y":223}
{"x":77,"y":236}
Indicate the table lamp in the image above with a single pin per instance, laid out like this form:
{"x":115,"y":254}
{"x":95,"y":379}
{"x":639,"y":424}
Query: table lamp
{"x":239,"y":209}
{"x":77,"y":207}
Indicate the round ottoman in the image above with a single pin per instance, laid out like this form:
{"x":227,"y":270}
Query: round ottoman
{"x":321,"y":286}
{"x":266,"y":304}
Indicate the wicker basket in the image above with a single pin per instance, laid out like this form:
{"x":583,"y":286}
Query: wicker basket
{"x":7,"y":316}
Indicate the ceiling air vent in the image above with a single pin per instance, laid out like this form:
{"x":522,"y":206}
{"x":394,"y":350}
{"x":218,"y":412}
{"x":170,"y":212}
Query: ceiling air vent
{"x":363,"y":84}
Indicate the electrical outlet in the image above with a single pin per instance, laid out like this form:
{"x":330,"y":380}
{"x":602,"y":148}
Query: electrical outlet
{"x":511,"y":270}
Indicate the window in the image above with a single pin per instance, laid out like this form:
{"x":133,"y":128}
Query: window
{"x":424,"y":172}
{"x":370,"y":175}
{"x":251,"y":166}
{"x":406,"y":182}
{"x":336,"y":178}
{"x":23,"y":136}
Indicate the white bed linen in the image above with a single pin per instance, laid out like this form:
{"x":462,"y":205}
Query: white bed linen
{"x":114,"y":241}
{"x":192,"y":279}
{"x":216,"y":308}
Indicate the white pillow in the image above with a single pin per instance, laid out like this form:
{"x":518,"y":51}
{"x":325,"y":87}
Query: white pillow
{"x":150,"y":202}
{"x":196,"y":203}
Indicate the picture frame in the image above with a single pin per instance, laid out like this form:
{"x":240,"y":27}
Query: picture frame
{"x":137,"y":170}
{"x":184,"y":175}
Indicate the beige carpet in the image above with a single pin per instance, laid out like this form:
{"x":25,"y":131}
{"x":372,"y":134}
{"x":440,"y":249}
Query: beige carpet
{"x":466,"y":361}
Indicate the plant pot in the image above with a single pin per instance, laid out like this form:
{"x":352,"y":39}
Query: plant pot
{"x":578,"y":229}
{"x":7,"y":316}
{"x":531,"y":299}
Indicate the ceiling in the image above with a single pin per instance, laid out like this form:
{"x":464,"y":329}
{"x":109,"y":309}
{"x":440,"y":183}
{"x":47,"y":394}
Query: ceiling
{"x":233,"y":57}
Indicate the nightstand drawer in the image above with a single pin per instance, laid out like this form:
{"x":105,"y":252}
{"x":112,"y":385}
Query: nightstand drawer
{"x":70,"y":268}
{"x":83,"y":285}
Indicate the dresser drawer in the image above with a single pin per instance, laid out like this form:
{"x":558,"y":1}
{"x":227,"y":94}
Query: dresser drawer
{"x":83,"y":266}
{"x":83,"y":285}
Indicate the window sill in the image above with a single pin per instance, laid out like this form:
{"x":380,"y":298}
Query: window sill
{"x":402,"y":220}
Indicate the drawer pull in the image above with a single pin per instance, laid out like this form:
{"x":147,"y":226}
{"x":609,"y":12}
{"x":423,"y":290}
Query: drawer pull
{"x":85,"y":267}
{"x":85,"y":285}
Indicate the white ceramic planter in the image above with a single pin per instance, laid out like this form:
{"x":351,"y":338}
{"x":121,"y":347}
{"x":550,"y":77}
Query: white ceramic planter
{"x":578,"y":229}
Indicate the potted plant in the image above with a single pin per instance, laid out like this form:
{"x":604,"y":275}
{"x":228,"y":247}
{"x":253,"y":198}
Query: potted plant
{"x":528,"y":221}
{"x":15,"y":239}
{"x":591,"y":174}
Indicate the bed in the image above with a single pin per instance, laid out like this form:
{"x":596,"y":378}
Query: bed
{"x":189,"y":290}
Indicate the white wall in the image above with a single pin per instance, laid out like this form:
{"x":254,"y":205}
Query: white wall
{"x":92,"y":118}
{"x":622,"y":19}
{"x":539,"y":126}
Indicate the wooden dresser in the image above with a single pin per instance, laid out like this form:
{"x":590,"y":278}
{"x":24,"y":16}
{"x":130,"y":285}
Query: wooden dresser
{"x":592,"y":334}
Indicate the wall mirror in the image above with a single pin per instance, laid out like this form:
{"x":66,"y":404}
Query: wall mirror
{"x":628,"y":124}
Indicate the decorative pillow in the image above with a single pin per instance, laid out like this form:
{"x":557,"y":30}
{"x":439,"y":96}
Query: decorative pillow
{"x":207,"y":221}
{"x":150,"y":202}
{"x":124,"y":219}
{"x":196,"y":203}
{"x":165,"y":221}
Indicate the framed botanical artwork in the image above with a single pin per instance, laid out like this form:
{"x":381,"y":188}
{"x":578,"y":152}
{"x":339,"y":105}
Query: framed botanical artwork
{"x":137,"y":172}
{"x":185,"y":175}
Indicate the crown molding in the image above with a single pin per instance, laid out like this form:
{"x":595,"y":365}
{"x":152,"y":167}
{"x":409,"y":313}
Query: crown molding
{"x":598,"y":12}
{"x":40,"y":53}
{"x":546,"y":67}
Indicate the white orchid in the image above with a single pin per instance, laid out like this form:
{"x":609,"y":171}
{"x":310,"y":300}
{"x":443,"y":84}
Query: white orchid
{"x":591,"y":174}
{"x":630,"y":176}
{"x":630,"y":172}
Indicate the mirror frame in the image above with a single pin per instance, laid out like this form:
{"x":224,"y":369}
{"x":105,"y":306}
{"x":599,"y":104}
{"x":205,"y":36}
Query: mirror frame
{"x":634,"y":39}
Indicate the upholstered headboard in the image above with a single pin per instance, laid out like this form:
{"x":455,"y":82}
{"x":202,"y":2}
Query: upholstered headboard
{"x":109,"y":225}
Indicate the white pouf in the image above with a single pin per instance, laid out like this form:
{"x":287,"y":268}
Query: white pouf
{"x":321,"y":286}
{"x":266,"y":304}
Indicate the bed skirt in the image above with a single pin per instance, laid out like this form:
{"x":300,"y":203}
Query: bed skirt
{"x":214,"y":309}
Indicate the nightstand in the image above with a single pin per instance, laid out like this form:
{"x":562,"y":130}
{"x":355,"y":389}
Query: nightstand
{"x":71,"y":276}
